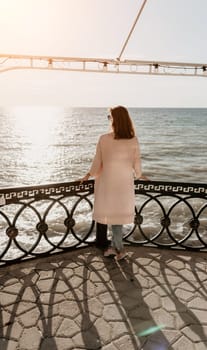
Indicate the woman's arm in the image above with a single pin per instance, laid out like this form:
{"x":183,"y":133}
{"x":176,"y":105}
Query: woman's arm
{"x":96,"y":164}
{"x":137,"y":161}
{"x":97,"y":161}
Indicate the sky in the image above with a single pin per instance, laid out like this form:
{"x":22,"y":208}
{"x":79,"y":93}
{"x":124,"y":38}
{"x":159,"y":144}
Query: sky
{"x":173,"y":30}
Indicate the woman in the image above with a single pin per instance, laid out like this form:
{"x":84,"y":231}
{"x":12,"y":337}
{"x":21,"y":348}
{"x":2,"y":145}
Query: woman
{"x":116,"y":161}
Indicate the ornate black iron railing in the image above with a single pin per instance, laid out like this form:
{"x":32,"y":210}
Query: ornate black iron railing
{"x":42,"y":220}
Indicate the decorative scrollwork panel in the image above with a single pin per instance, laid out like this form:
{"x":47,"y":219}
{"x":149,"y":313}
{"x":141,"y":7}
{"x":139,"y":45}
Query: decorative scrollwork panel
{"x":170,"y":221}
{"x":36,"y":227}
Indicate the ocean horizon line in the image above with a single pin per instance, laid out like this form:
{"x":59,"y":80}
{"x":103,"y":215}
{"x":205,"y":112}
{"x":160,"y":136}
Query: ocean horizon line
{"x":99,"y":107}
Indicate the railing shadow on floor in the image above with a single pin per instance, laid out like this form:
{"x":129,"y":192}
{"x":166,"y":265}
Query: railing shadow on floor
{"x":80,"y":289}
{"x":49,"y":219}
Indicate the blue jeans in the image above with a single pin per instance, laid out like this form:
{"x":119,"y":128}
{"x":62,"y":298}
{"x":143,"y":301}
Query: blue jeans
{"x":117,"y":235}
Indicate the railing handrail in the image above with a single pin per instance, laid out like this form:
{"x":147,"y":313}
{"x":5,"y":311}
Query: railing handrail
{"x":166,"y":187}
{"x":13,"y":194}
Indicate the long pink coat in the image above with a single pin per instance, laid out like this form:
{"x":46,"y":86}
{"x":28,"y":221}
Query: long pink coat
{"x":114,"y":166}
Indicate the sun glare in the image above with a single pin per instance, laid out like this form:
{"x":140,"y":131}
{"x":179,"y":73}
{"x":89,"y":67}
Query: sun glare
{"x":36,"y":124}
{"x":36,"y":130}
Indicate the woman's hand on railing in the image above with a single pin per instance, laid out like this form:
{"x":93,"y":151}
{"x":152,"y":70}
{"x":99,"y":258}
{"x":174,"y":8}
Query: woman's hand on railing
{"x":143,"y":177}
{"x":85,"y":178}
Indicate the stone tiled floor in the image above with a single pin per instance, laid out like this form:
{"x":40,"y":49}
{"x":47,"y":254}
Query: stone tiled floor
{"x":154,"y":300}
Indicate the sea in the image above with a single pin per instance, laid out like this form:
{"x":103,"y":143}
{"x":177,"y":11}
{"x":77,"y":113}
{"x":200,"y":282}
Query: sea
{"x":42,"y":145}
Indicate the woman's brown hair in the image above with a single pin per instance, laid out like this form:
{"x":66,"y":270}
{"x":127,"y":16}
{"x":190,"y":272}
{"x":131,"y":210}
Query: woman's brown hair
{"x":122,"y":123}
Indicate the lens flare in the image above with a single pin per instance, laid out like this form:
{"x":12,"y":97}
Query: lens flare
{"x":150,"y":330}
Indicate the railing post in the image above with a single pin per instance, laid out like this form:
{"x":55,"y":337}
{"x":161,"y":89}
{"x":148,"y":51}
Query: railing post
{"x":101,"y":236}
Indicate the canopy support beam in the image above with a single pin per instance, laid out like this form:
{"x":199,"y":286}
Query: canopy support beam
{"x":102,"y":65}
{"x":132,"y":29}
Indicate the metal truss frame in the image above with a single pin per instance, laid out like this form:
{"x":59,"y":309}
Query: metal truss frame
{"x":102,"y":65}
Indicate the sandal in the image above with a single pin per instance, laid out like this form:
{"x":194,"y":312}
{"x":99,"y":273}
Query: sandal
{"x":121,"y":256}
{"x":109,"y":252}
